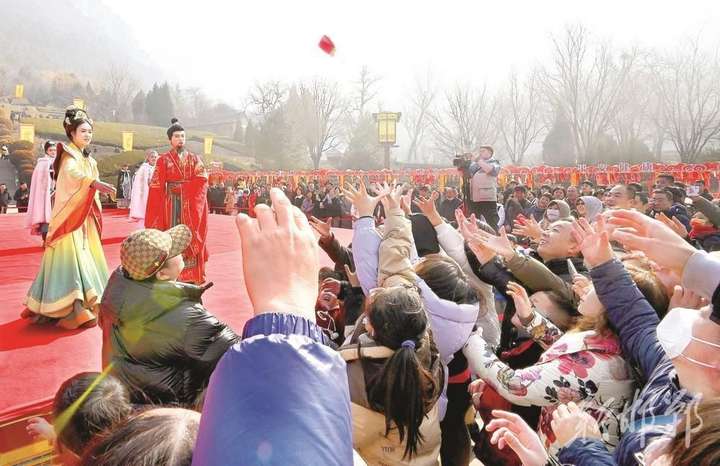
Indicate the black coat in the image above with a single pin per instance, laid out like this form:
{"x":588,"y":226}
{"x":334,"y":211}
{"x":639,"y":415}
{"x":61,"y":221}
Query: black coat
{"x":163,"y":343}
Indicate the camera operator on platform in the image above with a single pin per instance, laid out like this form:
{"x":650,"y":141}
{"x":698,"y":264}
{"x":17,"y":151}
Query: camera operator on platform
{"x":482,"y":173}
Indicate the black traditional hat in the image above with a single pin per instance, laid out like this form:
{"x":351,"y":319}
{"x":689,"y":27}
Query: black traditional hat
{"x":174,"y":126}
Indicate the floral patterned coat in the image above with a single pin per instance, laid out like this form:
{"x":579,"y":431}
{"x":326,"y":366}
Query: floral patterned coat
{"x":583,"y":367}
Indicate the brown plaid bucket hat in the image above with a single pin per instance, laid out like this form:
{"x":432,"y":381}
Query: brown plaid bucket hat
{"x":144,"y":252}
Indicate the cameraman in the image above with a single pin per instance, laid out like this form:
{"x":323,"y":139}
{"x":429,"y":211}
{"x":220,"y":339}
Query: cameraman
{"x":483,"y":172}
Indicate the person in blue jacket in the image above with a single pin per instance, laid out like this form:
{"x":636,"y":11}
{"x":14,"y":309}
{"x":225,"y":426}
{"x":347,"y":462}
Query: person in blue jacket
{"x":678,"y":358}
{"x":280,"y":396}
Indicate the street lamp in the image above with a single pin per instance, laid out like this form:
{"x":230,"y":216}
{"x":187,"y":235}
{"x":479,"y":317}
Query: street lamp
{"x":387,"y":131}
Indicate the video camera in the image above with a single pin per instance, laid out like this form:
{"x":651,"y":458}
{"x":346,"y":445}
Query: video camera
{"x":461,"y":161}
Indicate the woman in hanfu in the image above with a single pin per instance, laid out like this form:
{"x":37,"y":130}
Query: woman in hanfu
{"x":73,"y":272}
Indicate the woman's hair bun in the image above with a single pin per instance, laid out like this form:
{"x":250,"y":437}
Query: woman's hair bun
{"x":173,"y":121}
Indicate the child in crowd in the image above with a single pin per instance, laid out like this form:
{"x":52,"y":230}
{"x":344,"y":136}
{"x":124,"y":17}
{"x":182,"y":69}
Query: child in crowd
{"x":85,"y":404}
{"x":162,"y":342}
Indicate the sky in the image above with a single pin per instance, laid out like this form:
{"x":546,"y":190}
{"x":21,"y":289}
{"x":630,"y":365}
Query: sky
{"x":224,"y":46}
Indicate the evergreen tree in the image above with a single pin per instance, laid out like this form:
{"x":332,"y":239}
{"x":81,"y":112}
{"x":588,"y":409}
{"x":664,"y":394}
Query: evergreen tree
{"x":363,"y":151}
{"x":138,"y":107}
{"x":159,"y":105}
{"x":558,"y":147}
{"x":249,"y":138}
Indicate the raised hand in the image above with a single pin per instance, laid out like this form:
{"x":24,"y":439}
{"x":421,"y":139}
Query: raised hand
{"x":593,"y":241}
{"x":673,"y":223}
{"x":364,"y":203}
{"x":406,"y":202}
{"x":500,"y":244}
{"x":580,"y":284}
{"x":523,"y":306}
{"x":324,"y":229}
{"x":659,"y":242}
{"x":465,"y":225}
{"x":686,"y":299}
{"x":511,"y":430}
{"x":428,"y":208}
{"x":40,"y":429}
{"x":570,"y":422}
{"x":530,"y":229}
{"x":394,"y":194}
{"x":476,"y":389}
{"x":280,"y":258}
{"x":469,"y":229}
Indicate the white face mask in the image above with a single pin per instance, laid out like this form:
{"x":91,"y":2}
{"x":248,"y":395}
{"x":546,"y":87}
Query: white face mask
{"x":675,"y":334}
{"x":552,"y":214}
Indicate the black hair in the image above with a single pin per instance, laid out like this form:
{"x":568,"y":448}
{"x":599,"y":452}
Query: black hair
{"x":678,"y":194}
{"x":444,"y":276}
{"x":327,"y":272}
{"x":563,"y":303}
{"x":405,"y":387}
{"x":666,"y":192}
{"x":521,"y":188}
{"x":643,"y":197}
{"x":105,"y":404}
{"x":667,"y":177}
{"x":150,"y":438}
{"x":48,"y":144}
{"x":174,"y":127}
{"x":75,"y":117}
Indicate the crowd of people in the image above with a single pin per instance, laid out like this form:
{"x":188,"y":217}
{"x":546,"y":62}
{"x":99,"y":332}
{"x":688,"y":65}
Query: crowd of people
{"x":593,"y":343}
{"x":580,"y":326}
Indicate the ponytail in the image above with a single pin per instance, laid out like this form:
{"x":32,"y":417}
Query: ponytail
{"x":405,"y":387}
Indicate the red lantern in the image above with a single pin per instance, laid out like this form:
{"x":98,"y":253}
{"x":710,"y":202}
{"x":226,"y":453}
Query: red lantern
{"x":326,"y":45}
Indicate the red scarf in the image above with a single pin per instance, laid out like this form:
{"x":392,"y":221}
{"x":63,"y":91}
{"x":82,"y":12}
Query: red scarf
{"x":700,"y":229}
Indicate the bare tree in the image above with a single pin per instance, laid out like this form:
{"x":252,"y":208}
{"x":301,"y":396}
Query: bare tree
{"x":688,"y":91}
{"x":519,"y":121}
{"x":317,"y":118}
{"x":417,"y":116}
{"x":366,"y":90}
{"x":584,"y":83}
{"x":264,"y":98}
{"x":119,"y":88}
{"x":633,"y":119}
{"x":465,"y":121}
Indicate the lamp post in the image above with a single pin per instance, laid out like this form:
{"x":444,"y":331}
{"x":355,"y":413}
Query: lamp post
{"x":387,"y":132}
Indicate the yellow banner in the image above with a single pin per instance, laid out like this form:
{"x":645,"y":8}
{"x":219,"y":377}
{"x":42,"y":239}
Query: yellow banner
{"x":127,"y":141}
{"x":208,"y":144}
{"x":27,"y":132}
{"x":19,"y":91}
{"x":79,"y":103}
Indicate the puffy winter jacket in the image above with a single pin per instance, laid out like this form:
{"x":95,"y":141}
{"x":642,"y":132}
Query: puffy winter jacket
{"x":662,"y":401}
{"x":279,"y":397}
{"x":160,"y":339}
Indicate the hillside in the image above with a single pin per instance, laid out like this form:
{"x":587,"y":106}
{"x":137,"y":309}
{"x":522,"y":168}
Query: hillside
{"x":67,"y":35}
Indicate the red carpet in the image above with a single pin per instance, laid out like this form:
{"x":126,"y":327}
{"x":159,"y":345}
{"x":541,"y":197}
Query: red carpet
{"x":34,"y":360}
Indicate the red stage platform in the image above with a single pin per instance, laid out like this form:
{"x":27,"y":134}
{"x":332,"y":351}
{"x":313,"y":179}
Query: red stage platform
{"x":34,"y":360}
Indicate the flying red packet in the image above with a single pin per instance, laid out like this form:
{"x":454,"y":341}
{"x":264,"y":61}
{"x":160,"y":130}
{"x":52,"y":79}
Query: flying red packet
{"x":327,"y":45}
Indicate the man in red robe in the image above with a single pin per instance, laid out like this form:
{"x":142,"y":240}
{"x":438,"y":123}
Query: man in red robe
{"x":178,"y":194}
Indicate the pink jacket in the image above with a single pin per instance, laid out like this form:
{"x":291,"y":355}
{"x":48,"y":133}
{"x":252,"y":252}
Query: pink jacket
{"x":41,"y":186}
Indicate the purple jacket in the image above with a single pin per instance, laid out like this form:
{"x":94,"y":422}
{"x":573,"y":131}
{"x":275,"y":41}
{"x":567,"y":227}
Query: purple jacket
{"x":451,"y":323}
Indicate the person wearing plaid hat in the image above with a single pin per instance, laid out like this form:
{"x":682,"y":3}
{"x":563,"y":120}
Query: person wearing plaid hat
{"x":163,"y":344}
